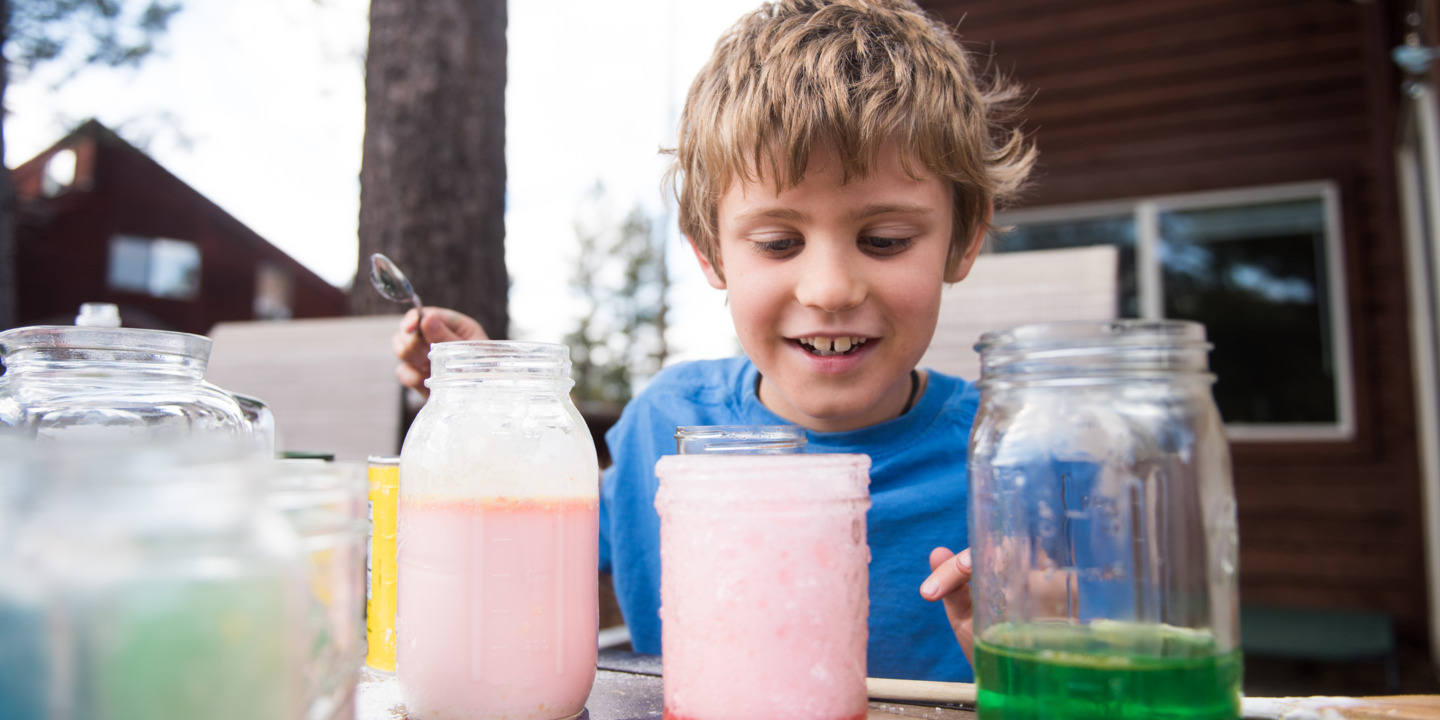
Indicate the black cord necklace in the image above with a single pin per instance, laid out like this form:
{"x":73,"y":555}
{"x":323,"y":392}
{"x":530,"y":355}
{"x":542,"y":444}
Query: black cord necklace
{"x":914,"y":390}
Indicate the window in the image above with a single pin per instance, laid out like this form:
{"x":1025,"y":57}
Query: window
{"x":1259,"y":267}
{"x":59,"y":173}
{"x":160,"y":267}
{"x":273,"y":290}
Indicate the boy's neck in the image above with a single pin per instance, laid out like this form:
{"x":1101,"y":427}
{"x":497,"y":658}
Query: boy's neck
{"x":892,"y":406}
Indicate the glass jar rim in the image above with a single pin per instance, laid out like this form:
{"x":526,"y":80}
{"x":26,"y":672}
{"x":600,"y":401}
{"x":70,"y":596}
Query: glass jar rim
{"x":1094,"y":350}
{"x":1077,"y":334}
{"x":462,"y":359}
{"x":66,"y":337}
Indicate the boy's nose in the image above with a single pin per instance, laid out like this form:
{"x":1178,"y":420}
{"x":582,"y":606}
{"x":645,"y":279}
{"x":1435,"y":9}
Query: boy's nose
{"x":829,"y":283}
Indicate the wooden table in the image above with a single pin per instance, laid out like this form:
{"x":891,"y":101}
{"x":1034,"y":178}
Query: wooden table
{"x":627,"y":687}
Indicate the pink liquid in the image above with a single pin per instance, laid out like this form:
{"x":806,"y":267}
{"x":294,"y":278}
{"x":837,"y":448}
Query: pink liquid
{"x":764,"y":614}
{"x":497,"y":614}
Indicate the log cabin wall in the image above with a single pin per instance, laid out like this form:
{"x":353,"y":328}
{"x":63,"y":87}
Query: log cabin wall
{"x":63,"y":242}
{"x":1137,"y":98}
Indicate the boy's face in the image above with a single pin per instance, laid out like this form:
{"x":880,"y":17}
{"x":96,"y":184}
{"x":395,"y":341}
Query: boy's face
{"x":835,"y":288}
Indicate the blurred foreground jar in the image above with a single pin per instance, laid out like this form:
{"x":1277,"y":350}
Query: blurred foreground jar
{"x":1104,"y":541}
{"x":764,"y":585}
{"x":82,"y":383}
{"x":498,"y":530}
{"x":325,"y":502}
{"x":151,"y":582}
{"x":24,"y":656}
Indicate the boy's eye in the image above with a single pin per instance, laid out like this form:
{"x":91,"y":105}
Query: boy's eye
{"x":885,"y":245}
{"x":777,"y":248}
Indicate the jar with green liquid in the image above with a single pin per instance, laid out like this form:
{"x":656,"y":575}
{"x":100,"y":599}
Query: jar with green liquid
{"x":171,"y":590}
{"x":1103,"y":514}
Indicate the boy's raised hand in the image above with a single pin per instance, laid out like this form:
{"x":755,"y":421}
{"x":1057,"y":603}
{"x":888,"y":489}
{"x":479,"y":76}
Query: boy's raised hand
{"x":950,"y":581}
{"x":413,"y":349}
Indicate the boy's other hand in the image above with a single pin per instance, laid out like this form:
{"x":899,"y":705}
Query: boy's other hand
{"x":950,"y":581}
{"x":441,"y":325}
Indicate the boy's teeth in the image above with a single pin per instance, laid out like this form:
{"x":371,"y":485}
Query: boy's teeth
{"x":832,"y":346}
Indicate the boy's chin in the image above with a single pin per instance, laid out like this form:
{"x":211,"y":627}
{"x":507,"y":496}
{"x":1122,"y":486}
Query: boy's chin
{"x":824,"y":412}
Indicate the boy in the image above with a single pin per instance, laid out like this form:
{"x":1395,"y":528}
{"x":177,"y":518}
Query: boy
{"x":837,"y":164}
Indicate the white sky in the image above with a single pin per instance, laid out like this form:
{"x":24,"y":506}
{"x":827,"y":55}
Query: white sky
{"x":259,"y":105}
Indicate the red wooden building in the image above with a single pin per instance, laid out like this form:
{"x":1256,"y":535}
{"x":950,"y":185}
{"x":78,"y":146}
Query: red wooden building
{"x":97,"y":220}
{"x":1269,"y":168}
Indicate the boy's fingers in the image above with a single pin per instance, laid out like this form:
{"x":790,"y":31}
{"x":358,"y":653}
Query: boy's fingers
{"x":411,"y":350}
{"x":949,"y":572}
{"x":411,"y":378}
{"x":444,"y":325}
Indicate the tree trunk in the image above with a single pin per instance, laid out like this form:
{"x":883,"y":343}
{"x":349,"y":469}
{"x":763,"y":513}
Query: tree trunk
{"x":9,"y":293}
{"x":432,"y":178}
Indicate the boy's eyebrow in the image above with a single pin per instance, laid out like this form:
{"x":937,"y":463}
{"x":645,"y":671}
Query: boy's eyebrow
{"x":860,"y":213}
{"x":866,"y":211}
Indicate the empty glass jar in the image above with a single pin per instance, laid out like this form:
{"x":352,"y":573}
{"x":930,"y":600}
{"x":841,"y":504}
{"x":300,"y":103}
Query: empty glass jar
{"x":325,"y":502}
{"x":1103,"y":514}
{"x":67,"y":383}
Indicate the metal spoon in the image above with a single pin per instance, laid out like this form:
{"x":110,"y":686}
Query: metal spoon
{"x":393,"y":285}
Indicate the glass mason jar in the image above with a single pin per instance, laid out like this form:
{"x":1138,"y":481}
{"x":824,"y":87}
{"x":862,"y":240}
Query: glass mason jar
{"x":1103,"y":517}
{"x":497,"y":611}
{"x":740,"y":439}
{"x":159,"y":585}
{"x":764,"y":585}
{"x":63,"y":383}
{"x":24,"y":600}
{"x":325,"y":502}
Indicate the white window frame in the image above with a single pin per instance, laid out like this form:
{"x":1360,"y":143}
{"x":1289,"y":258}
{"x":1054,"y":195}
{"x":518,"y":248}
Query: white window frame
{"x":1150,"y":285}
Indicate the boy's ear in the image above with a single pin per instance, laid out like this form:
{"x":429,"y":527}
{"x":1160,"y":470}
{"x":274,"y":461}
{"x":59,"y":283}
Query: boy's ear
{"x":967,"y":261}
{"x":716,"y":275}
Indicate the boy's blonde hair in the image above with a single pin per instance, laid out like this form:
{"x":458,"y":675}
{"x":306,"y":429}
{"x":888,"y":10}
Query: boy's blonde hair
{"x":852,"y":74}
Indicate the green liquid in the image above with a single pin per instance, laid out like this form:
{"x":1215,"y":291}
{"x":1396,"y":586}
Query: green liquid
{"x":1105,"y":671}
{"x":171,"y":648}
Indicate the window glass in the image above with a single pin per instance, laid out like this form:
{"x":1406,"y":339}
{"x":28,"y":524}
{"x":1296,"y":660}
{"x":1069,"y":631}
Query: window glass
{"x":1256,"y":277}
{"x":174,"y":269}
{"x":129,"y":263}
{"x":155,"y":266}
{"x":1256,"y":267}
{"x":273,"y":290}
{"x":1116,"y":230}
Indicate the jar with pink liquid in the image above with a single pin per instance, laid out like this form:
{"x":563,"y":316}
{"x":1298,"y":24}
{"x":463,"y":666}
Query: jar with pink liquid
{"x":764,"y":585}
{"x":496,"y":612}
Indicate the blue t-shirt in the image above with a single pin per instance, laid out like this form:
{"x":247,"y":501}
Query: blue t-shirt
{"x":919,"y":490}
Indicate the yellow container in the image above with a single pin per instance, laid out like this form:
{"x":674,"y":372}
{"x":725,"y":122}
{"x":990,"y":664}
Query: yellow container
{"x":380,"y":564}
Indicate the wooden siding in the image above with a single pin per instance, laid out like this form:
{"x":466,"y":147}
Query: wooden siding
{"x":63,"y":242}
{"x":1135,"y":98}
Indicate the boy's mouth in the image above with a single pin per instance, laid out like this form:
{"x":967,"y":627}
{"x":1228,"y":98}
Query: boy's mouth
{"x":825,"y":346}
